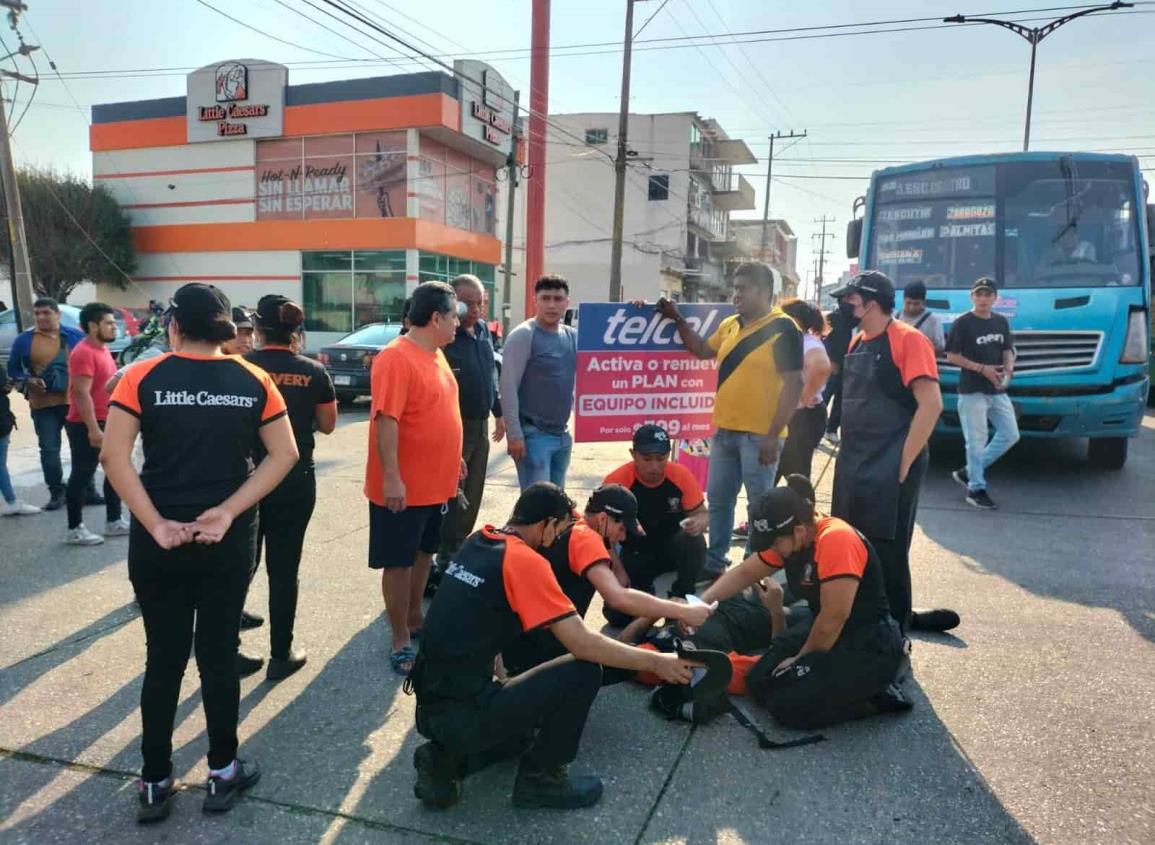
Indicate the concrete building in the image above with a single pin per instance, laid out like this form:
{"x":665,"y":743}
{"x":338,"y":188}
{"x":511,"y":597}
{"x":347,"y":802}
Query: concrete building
{"x":680,"y":189}
{"x":344,"y":195}
{"x":781,"y":251}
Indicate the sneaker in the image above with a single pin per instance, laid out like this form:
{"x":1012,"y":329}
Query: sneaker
{"x":18,"y":508}
{"x":940,"y":619}
{"x":554,"y":788}
{"x":960,"y":475}
{"x":281,"y":667}
{"x":981,"y":500}
{"x":155,"y":800}
{"x":832,"y":438}
{"x":438,"y":777}
{"x":247,"y":665}
{"x":55,"y":500}
{"x":223,"y":793}
{"x":119,"y":528}
{"x":81,"y":536}
{"x":251,"y":620}
{"x":742,"y":531}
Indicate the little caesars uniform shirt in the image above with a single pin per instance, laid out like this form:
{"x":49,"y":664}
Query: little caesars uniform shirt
{"x":200,"y":420}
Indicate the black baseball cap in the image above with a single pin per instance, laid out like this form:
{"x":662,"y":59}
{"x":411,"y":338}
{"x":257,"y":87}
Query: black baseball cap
{"x":540,"y":501}
{"x":200,"y":300}
{"x":242,"y":319}
{"x":870,"y":284}
{"x":651,"y":439}
{"x":268,"y":311}
{"x":618,"y":502}
{"x":984,"y":283}
{"x":775,"y":515}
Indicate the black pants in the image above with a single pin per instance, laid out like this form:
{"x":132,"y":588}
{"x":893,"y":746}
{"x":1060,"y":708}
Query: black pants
{"x":806,"y":429}
{"x":458,"y":523}
{"x":680,"y":553}
{"x":85,"y":459}
{"x":284,"y":518}
{"x":834,"y":396}
{"x":533,"y":648}
{"x":554,"y":699}
{"x":173,"y":586}
{"x":894,"y":553}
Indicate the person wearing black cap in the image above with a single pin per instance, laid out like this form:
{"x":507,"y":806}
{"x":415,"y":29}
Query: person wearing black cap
{"x":584,"y":562}
{"x":915,"y":313}
{"x":982,"y":346}
{"x":841,"y":663}
{"x":201,"y":415}
{"x":242,"y":342}
{"x":497,"y":587}
{"x":285,"y":512}
{"x":672,"y":513}
{"x":890,"y":403}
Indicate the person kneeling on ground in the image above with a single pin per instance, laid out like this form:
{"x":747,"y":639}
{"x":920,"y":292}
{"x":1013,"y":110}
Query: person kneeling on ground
{"x":840,"y":665}
{"x":583,"y":561}
{"x":496,"y":587}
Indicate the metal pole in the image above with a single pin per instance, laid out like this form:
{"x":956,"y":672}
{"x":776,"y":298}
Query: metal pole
{"x":538,"y":110}
{"x":620,"y":163}
{"x":766,"y":204}
{"x":511,"y":182}
{"x":1030,"y":91}
{"x":22,"y":272}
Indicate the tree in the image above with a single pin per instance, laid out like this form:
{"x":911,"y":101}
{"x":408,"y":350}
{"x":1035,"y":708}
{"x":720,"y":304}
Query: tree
{"x":58,"y":211}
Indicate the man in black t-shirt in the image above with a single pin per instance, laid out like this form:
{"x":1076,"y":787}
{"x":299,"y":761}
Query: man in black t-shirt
{"x":982,"y":346}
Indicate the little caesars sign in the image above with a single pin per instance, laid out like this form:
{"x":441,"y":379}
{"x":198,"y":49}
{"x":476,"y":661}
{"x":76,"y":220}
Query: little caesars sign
{"x":236,"y":99}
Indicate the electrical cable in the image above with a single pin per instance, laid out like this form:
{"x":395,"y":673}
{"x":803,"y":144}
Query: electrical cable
{"x":252,"y":28}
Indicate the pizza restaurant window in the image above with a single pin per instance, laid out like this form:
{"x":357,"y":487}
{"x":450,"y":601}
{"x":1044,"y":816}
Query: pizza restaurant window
{"x":344,"y":290}
{"x":444,"y":268}
{"x":454,"y":189}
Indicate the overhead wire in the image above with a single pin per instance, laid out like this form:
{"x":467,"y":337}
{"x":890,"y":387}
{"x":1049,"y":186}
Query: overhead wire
{"x":270,"y":35}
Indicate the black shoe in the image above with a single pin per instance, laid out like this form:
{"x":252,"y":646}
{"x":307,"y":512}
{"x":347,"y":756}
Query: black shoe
{"x":92,"y":498}
{"x":438,"y":779}
{"x":890,"y":700}
{"x":251,"y":620}
{"x":554,"y":788}
{"x":223,"y":794}
{"x":981,"y":500}
{"x":155,"y":801}
{"x":55,"y":501}
{"x":281,"y":667}
{"x":940,"y":619}
{"x":960,"y":475}
{"x":247,"y":665}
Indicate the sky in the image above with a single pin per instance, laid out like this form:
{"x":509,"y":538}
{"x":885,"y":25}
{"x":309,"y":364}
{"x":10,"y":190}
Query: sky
{"x":866,"y":101}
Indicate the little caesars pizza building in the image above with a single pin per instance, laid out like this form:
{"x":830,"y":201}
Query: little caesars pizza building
{"x":343,"y":195}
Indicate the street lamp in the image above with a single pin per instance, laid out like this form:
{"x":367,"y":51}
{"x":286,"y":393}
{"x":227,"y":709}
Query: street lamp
{"x":1034,"y":36}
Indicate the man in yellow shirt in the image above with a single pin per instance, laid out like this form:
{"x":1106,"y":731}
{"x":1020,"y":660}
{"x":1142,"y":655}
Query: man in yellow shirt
{"x":759,"y":355}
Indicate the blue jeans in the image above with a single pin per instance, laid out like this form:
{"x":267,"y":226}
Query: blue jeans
{"x":974,"y":412}
{"x":49,"y":425}
{"x":733,"y":463}
{"x":546,"y":457}
{"x":5,"y":479}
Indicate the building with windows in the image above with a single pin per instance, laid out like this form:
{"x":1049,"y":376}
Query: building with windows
{"x":344,"y":195}
{"x":681,"y":186}
{"x":781,"y":251}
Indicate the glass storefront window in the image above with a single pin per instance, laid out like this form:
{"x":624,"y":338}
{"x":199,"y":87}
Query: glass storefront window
{"x":345,"y":290}
{"x":328,"y":301}
{"x":443,"y":268}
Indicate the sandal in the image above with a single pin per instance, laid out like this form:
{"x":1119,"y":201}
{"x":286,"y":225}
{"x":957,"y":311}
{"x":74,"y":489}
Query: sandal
{"x":401,"y":661}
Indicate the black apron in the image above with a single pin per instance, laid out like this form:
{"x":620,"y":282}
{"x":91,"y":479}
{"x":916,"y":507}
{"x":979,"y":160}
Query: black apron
{"x":876,"y":414}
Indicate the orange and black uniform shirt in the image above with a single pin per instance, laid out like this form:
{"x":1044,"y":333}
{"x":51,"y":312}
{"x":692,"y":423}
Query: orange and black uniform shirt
{"x":200,"y":420}
{"x":305,"y":384}
{"x":839,"y":551}
{"x":495,"y":588}
{"x":571,"y":556}
{"x":661,"y":507}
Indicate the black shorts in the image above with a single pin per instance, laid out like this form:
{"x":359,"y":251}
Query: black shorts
{"x":396,"y":538}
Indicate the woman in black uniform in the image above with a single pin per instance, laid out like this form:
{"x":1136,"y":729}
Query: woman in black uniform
{"x":285,"y":513}
{"x":200,"y":415}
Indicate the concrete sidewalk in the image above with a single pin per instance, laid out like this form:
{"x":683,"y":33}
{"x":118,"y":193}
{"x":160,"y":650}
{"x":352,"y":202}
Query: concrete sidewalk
{"x":1021,"y":730}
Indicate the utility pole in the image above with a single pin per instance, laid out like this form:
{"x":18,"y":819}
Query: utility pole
{"x":822,"y":255}
{"x":21,"y":269}
{"x":534,"y":264}
{"x":620,"y":162}
{"x":513,"y":172}
{"x":769,"y":173}
{"x":1034,"y":35}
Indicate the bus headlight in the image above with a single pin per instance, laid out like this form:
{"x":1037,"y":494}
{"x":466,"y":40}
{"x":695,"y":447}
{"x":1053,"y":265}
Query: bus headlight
{"x":1137,"y":344}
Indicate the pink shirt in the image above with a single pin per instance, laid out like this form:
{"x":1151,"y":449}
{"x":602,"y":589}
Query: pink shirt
{"x":88,"y":359}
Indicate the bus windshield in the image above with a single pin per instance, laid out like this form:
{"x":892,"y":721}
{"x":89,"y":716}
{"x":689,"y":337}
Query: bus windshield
{"x":1030,"y":224}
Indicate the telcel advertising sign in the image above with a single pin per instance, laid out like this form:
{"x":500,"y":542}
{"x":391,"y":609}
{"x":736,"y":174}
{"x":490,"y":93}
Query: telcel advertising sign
{"x":242,"y":98}
{"x":633,"y":369}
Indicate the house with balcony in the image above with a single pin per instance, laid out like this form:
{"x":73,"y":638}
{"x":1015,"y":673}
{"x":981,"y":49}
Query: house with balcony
{"x":778,"y":248}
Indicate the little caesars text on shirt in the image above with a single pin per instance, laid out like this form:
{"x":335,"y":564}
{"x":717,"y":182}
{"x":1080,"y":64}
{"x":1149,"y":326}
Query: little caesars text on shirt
{"x":201,"y":398}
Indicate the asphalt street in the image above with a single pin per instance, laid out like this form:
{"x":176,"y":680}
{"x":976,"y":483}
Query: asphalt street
{"x":1035,"y":722}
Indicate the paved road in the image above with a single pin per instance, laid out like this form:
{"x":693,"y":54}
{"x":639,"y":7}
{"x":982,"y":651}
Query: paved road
{"x":1035,"y":723}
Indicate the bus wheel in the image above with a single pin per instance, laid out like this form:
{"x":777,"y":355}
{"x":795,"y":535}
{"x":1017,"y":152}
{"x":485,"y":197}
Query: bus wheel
{"x":1107,"y":452}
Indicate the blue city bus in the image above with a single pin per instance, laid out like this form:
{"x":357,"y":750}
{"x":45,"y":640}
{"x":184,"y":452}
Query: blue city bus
{"x":1067,"y":238}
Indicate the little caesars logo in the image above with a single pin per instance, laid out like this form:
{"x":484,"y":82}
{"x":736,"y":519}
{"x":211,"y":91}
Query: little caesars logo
{"x":201,"y":398}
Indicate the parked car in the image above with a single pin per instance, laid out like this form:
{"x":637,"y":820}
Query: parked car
{"x":350,"y":359}
{"x":69,"y":316}
{"x":131,"y":319}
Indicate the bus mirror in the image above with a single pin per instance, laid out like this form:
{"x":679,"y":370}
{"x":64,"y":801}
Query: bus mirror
{"x":853,"y":236}
{"x":1151,"y":227}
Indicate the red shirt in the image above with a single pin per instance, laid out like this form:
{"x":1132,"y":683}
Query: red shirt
{"x":94,"y":361}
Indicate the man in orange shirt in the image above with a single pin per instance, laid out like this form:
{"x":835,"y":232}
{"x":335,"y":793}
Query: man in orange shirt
{"x":414,"y":462}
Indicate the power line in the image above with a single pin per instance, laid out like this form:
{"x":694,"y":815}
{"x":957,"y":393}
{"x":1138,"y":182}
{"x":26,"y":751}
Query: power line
{"x":252,"y":28}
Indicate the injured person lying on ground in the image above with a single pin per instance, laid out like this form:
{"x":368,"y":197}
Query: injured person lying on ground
{"x":840,"y":662}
